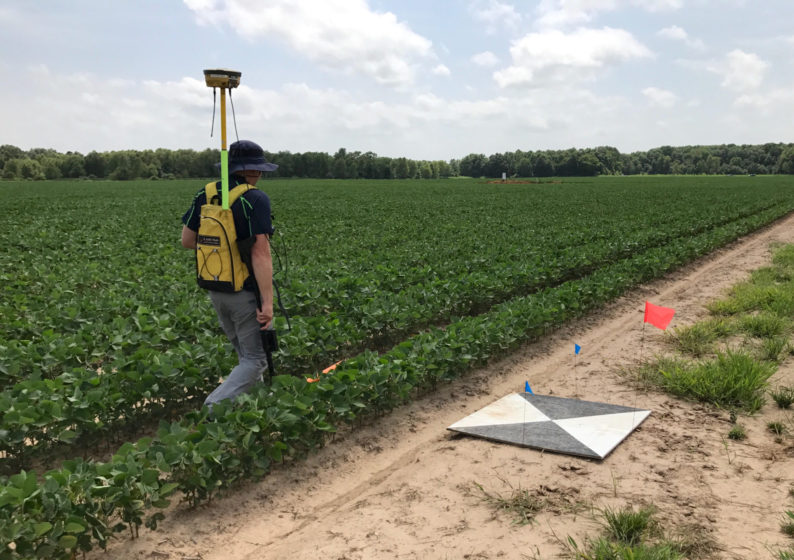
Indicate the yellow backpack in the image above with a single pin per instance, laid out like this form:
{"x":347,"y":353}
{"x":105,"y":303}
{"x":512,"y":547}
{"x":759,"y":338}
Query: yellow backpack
{"x":219,"y":266}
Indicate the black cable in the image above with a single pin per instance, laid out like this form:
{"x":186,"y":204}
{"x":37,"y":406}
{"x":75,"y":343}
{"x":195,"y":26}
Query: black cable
{"x":275,"y":250}
{"x":286,"y":261}
{"x":281,"y":305}
{"x":212,"y":126}
{"x":234,"y":117}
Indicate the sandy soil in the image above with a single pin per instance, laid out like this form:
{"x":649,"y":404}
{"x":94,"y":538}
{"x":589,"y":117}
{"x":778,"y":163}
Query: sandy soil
{"x":405,"y":487}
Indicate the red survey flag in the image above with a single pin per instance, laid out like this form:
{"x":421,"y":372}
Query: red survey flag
{"x":657,"y":315}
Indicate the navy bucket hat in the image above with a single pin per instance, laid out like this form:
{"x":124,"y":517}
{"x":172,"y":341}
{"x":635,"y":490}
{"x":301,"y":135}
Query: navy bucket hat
{"x":244,"y":155}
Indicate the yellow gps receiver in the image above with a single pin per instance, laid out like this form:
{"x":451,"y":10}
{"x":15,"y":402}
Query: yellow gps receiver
{"x":222,"y":78}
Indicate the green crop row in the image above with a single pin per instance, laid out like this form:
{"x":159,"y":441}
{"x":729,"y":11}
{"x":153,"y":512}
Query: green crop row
{"x":94,"y":275}
{"x":37,"y":414}
{"x":81,"y":505}
{"x":94,"y":280}
{"x":500,"y":258}
{"x":386,"y":317}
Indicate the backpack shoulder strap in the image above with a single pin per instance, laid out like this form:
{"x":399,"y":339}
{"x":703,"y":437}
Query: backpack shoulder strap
{"x":238,"y":191}
{"x":213,"y":196}
{"x":211,"y":191}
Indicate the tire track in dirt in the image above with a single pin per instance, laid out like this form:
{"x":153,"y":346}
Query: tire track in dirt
{"x":373,"y":480}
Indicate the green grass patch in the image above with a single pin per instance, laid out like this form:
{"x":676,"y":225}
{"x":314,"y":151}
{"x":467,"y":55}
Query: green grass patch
{"x":699,"y":339}
{"x":783,"y":258}
{"x":783,"y":304}
{"x":723,"y":307}
{"x":763,"y":325}
{"x":731,"y":380}
{"x":766,"y":276}
{"x":774,"y":349}
{"x":783,"y":396}
{"x":788,"y":524}
{"x":635,"y":535}
{"x":520,"y":503}
{"x":769,"y":289}
{"x":737,"y":433}
{"x":603,"y":549}
{"x":777,"y":428}
{"x":626,"y":525}
{"x":786,"y":554}
{"x":745,"y":297}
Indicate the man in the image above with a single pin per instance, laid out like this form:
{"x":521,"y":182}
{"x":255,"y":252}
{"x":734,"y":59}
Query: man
{"x":240,"y":317}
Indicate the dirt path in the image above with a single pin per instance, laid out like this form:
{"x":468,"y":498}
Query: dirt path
{"x":404,"y":487}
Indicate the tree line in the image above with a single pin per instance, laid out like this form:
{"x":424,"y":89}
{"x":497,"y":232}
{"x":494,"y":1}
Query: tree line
{"x":730,"y":159}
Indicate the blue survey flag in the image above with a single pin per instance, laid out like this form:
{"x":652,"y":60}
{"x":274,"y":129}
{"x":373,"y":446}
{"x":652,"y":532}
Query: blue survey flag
{"x":576,"y":349}
{"x":527,"y":388}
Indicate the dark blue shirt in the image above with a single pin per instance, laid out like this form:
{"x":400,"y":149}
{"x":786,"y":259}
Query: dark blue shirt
{"x":251,"y":214}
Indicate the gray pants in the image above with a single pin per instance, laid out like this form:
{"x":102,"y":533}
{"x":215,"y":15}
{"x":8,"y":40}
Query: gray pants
{"x":237,"y":315}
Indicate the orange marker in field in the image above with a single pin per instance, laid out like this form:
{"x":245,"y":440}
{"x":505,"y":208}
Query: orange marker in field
{"x":329,"y":369}
{"x":332,"y":368}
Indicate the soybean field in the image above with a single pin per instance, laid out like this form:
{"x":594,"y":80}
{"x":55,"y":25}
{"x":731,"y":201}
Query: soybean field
{"x":108,"y":347}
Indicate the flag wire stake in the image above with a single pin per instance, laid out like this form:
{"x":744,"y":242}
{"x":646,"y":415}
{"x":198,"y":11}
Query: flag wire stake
{"x":524,"y":419}
{"x":637,"y":390}
{"x":575,"y":374}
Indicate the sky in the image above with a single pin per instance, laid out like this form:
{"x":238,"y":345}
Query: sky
{"x":424,"y":79}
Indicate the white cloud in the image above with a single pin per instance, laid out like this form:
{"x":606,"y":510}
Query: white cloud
{"x":742,"y":71}
{"x":10,"y":16}
{"x":673,"y":32}
{"x":337,"y":34}
{"x":554,"y":55}
{"x":108,"y":114}
{"x":326,"y":61}
{"x":497,"y":16}
{"x":486,"y":58}
{"x":660,"y":97}
{"x":91,"y":111}
{"x":780,"y":99}
{"x":187,"y":91}
{"x":659,"y":5}
{"x":429,"y":101}
{"x":562,"y":13}
{"x":676,"y":33}
{"x":39,"y":71}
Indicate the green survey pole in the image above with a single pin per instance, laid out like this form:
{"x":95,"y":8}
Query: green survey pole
{"x":225,"y":178}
